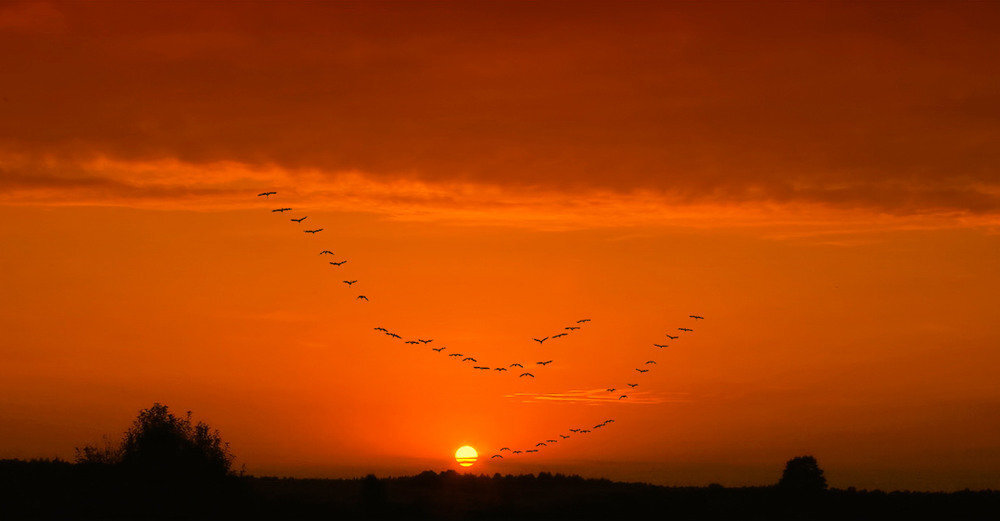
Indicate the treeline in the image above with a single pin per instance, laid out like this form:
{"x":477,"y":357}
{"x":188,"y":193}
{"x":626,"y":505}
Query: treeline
{"x":168,"y":467}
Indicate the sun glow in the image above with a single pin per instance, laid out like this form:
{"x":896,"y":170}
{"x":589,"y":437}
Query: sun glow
{"x":466,"y":456}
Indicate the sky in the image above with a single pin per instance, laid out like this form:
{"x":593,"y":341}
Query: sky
{"x":818,"y":180}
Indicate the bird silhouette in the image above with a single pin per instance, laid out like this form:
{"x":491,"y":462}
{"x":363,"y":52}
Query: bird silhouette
{"x":541,"y":444}
{"x":326,"y":252}
{"x":394,"y":335}
{"x":266,"y":195}
{"x":484,"y":368}
{"x":469,"y":359}
{"x":610,"y":389}
{"x":281,"y":210}
{"x":379,"y":329}
{"x":551,"y":441}
{"x":349,"y":282}
{"x":438,"y":349}
{"x":455,"y":354}
{"x":362,"y":297}
{"x":422,"y":341}
{"x":584,"y":431}
{"x":574,"y":430}
{"x":672,"y":337}
{"x":547,"y":362}
{"x":560,"y":335}
{"x":563,"y":436}
{"x":696,"y":317}
{"x":496,"y":456}
{"x":599,"y":425}
{"x":317,"y":230}
{"x":685,"y":329}
{"x":341,"y":263}
{"x":531,"y":450}
{"x":526,"y":374}
{"x":632,"y":385}
{"x":300,"y":219}
{"x":516,"y":451}
{"x":503,"y":449}
{"x":622,"y":397}
{"x":412,"y":342}
{"x":643,"y":370}
{"x":572,"y":328}
{"x":661,"y":346}
{"x":500,"y":369}
{"x":581,"y":321}
{"x":515,"y":364}
{"x":540,"y":340}
{"x":651,"y":362}
{"x":609,"y":421}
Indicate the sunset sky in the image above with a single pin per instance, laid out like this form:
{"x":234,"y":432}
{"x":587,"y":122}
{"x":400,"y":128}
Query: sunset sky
{"x":821,"y":181}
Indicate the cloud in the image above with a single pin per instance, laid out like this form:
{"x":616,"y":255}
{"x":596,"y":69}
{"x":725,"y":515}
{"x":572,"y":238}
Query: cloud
{"x":599,"y":396}
{"x":649,"y":113}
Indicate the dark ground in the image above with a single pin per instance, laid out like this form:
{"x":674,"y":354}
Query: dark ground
{"x":60,"y":490}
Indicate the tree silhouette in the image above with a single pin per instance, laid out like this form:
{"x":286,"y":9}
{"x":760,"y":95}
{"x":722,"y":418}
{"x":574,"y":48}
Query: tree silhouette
{"x":162,"y":444}
{"x":802,"y":474}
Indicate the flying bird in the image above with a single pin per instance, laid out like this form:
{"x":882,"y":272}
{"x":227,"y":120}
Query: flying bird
{"x":696,"y":317}
{"x":584,"y":431}
{"x":661,"y":346}
{"x":469,"y":359}
{"x":266,"y":194}
{"x":496,"y":456}
{"x":281,"y":210}
{"x":551,"y":441}
{"x":609,"y":421}
{"x":622,"y":397}
{"x":651,"y":362}
{"x":394,"y":335}
{"x":526,"y":374}
{"x":412,"y":342}
{"x":643,"y":370}
{"x":341,"y":263}
{"x":540,"y":444}
{"x":547,"y":362}
{"x":599,"y":425}
{"x":360,"y":297}
{"x":438,"y":349}
{"x":672,"y":337}
{"x":455,"y":354}
{"x":540,"y":340}
{"x":571,"y":328}
{"x":685,"y":329}
{"x":583,"y":320}
{"x":422,"y":341}
{"x":632,"y":385}
{"x":503,"y":449}
{"x":326,"y":252}
{"x":610,"y":389}
{"x":500,"y":369}
{"x":531,"y":450}
{"x":482,"y":368}
{"x":300,"y":219}
{"x":559,"y":335}
{"x":516,"y":365}
{"x":574,"y":430}
{"x":317,"y":230}
{"x":349,"y":282}
{"x":516,"y":451}
{"x":563,"y":436}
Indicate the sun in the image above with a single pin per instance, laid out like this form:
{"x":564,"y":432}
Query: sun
{"x":466,"y":456}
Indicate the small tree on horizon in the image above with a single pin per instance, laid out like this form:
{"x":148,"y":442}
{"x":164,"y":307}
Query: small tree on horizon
{"x":802,"y":474}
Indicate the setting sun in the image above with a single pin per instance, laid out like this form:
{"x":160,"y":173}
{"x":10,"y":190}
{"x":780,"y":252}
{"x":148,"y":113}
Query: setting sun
{"x":466,"y":456}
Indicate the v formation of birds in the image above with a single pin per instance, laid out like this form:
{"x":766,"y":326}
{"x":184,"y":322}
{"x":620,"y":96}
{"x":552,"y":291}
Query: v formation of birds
{"x":512,"y":368}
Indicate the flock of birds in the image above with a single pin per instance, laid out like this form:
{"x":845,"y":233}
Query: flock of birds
{"x":508,"y":368}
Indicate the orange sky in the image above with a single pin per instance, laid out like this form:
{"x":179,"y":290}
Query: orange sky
{"x":818,"y":180}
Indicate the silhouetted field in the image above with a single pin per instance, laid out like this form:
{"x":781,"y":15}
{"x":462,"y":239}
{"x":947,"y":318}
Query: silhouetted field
{"x":53,"y":489}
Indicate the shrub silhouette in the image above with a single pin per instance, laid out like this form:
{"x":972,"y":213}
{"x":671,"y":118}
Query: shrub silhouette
{"x":163,"y":445}
{"x":802,"y":474}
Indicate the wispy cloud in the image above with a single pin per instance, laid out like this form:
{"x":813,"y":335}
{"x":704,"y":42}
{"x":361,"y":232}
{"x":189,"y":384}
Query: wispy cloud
{"x":599,"y":396}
